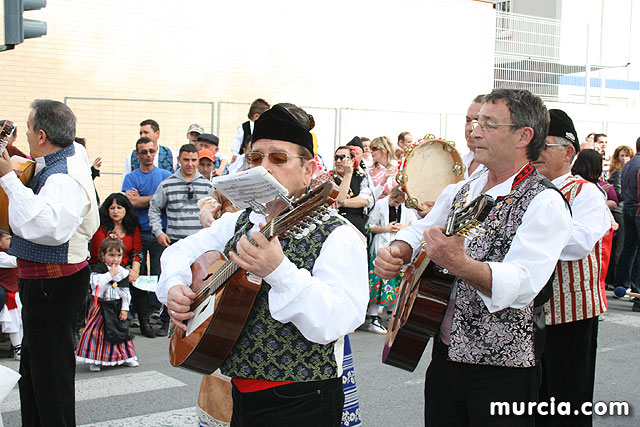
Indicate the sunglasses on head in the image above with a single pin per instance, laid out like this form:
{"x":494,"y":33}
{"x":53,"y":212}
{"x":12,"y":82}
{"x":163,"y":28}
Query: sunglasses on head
{"x":341,"y":156}
{"x":145,"y":152}
{"x":254,"y":158}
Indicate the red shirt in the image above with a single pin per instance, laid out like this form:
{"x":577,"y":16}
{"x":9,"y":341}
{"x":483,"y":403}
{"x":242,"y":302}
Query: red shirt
{"x":132,"y":242}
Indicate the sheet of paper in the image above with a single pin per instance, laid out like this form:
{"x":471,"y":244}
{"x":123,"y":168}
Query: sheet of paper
{"x":250,"y":186}
{"x":146,"y":283}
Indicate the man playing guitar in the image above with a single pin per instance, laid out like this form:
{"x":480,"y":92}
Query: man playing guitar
{"x":484,"y":351}
{"x":313,"y":292}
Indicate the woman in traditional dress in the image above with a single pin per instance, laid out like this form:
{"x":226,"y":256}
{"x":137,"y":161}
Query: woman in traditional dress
{"x":383,"y":171}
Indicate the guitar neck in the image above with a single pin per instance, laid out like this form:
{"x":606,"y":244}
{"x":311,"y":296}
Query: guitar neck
{"x":307,"y":207}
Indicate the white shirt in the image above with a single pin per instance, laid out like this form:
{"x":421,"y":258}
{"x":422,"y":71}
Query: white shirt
{"x":51,"y":216}
{"x":379,"y":216}
{"x":239,"y":165}
{"x":466,"y":161}
{"x":534,"y":251}
{"x":239,"y":137}
{"x":324,"y":304}
{"x":101,"y":286}
{"x":591,"y":220}
{"x":8,"y":261}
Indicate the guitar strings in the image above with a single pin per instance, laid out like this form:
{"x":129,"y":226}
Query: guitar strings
{"x":229,"y":267}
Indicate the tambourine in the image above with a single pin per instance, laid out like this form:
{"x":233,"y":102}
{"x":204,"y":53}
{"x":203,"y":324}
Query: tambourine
{"x":427,"y":168}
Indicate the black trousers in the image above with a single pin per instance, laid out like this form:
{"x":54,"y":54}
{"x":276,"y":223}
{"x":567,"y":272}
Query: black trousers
{"x":306,"y":404}
{"x":48,"y":363}
{"x":568,"y":369}
{"x":460,"y":394}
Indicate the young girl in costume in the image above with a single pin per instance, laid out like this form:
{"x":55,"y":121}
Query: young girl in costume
{"x":10,"y":306}
{"x":109,"y":281}
{"x":386,"y":218}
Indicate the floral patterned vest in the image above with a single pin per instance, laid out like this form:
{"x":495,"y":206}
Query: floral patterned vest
{"x":504,"y":338}
{"x":267,"y":349}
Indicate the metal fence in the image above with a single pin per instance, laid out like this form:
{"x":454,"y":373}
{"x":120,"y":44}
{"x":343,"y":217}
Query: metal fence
{"x":111,"y":127}
{"x":551,"y":58}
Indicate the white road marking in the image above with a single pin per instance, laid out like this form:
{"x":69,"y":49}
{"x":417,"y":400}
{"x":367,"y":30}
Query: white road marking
{"x":178,"y":417}
{"x":112,"y":385}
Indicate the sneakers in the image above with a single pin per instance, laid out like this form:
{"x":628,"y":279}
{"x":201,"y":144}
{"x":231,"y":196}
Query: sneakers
{"x":376,"y":327}
{"x":15,"y":351}
{"x":132,"y":363}
{"x":162,"y":331}
{"x":94,"y":368}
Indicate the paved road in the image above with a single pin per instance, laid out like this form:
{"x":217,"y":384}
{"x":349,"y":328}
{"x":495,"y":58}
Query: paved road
{"x":156,"y":394}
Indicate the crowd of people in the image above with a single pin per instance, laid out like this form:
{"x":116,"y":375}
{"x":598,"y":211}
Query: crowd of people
{"x":521,"y":323}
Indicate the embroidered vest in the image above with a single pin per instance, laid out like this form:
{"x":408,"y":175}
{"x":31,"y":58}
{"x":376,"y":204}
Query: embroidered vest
{"x":165,"y":159}
{"x":576,"y":287}
{"x":504,"y":338}
{"x":354,"y":215}
{"x":267,"y":349}
{"x":66,"y":161}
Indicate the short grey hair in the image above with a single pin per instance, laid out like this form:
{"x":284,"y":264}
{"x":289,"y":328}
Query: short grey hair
{"x":527,"y":110}
{"x":564,"y":143}
{"x":56,"y":120}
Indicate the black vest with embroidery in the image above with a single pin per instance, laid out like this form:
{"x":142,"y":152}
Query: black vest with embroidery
{"x":354,"y":215}
{"x":503,"y":338}
{"x":246,"y":136}
{"x":270,"y":350}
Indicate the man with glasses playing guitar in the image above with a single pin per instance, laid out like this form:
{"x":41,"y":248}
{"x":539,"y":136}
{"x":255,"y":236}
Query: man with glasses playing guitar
{"x":484,"y":350}
{"x":286,"y":363}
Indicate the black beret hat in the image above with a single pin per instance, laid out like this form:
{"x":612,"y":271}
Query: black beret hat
{"x":278,"y":123}
{"x":356,"y":142}
{"x":209,"y":137}
{"x":562,"y":125}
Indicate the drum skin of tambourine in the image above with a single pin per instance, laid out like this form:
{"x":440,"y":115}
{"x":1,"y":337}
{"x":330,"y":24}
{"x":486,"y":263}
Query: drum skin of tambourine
{"x":427,"y":169}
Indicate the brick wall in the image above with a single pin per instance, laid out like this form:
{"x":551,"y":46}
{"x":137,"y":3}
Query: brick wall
{"x":428,"y":57}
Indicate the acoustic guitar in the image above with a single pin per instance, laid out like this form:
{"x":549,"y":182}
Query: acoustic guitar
{"x":24,"y":168}
{"x":424,"y":293}
{"x":225,"y":293}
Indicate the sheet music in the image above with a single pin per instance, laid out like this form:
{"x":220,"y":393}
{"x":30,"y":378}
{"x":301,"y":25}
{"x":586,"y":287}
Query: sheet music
{"x":246,"y":188}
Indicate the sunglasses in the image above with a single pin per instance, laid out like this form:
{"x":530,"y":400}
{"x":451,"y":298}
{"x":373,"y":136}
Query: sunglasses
{"x":374,"y":149}
{"x":341,"y":157}
{"x":254,"y":158}
{"x":190,"y":192}
{"x":145,"y":152}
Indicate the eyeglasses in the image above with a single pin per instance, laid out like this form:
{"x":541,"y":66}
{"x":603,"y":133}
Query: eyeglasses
{"x":341,"y":157}
{"x":145,"y":152}
{"x":488,"y":126}
{"x":254,"y":158}
{"x":190,"y":192}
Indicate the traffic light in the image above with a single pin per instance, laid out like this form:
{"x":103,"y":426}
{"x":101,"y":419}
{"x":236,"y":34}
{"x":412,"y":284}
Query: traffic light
{"x":16,"y":28}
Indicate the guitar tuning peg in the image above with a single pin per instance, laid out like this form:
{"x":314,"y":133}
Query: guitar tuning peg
{"x":298,"y":236}
{"x":312,"y":227}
